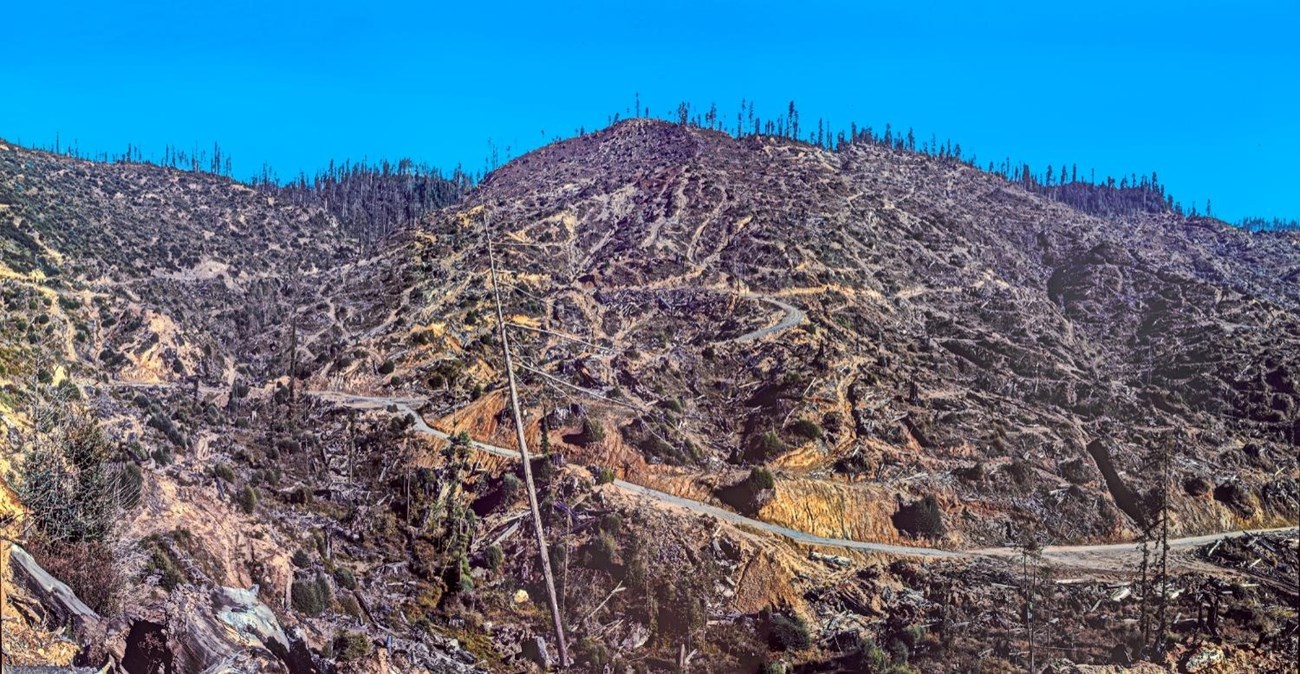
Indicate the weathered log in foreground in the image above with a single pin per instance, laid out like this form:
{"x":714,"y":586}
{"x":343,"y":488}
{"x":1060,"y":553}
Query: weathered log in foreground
{"x":54,"y":594}
{"x":223,"y":632}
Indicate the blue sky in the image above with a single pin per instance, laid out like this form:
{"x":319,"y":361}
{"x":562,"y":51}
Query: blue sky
{"x":1207,"y":94}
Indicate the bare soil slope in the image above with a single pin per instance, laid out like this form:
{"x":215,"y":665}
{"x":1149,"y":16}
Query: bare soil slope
{"x":956,"y":336}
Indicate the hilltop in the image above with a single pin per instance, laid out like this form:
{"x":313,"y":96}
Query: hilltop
{"x":958,"y":338}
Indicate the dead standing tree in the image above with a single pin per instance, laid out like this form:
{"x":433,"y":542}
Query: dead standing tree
{"x":1153,"y":568}
{"x":1032,"y":575}
{"x":528,"y":471}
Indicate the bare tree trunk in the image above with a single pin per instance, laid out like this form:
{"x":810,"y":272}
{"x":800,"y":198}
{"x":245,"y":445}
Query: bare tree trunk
{"x":1163,"y":545}
{"x":528,"y":470}
{"x":1144,"y":586}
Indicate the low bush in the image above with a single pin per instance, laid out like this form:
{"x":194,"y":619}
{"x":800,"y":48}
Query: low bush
{"x":224,"y":472}
{"x":592,"y":431}
{"x":510,"y":487}
{"x":310,"y":596}
{"x":761,"y":478}
{"x":350,"y":646}
{"x":787,"y":633}
{"x":161,"y":564}
{"x":807,"y":429}
{"x":344,"y":578}
{"x":494,"y":557}
{"x":248,"y":499}
{"x":920,"y":518}
{"x":765,"y":447}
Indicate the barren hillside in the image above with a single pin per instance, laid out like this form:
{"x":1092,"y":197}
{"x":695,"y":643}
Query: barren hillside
{"x":934,"y":331}
{"x":790,"y":407}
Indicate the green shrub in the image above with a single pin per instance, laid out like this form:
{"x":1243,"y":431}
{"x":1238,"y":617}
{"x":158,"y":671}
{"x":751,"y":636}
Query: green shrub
{"x":765,"y":447}
{"x":301,"y":559}
{"x":871,"y":657}
{"x":162,"y":456}
{"x":130,"y":479}
{"x":350,"y":646}
{"x":806,"y":428}
{"x":349,"y":606}
{"x":593,"y":653}
{"x":914,"y":635}
{"x":248,"y":499}
{"x":605,"y":476}
{"x":761,"y":478}
{"x":310,"y":597}
{"x":458,"y":578}
{"x":344,"y":578}
{"x":494,"y":557}
{"x":592,"y":431}
{"x":168,"y":428}
{"x":224,"y":472}
{"x":898,"y":652}
{"x":387,"y":367}
{"x":69,"y":483}
{"x":162,"y":564}
{"x":788,"y":633}
{"x":920,"y":518}
{"x":510,"y":486}
{"x":611,"y":523}
{"x":303,"y":495}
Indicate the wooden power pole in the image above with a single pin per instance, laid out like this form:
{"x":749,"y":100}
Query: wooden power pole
{"x":528,"y":469}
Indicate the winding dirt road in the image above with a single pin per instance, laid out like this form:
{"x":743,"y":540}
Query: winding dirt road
{"x":793,"y":316}
{"x":1103,"y":557}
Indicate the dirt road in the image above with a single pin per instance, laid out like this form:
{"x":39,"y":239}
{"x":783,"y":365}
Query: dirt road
{"x":793,"y":316}
{"x":1112,"y":556}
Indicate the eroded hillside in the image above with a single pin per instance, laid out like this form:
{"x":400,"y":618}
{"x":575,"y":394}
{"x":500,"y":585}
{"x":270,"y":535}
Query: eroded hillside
{"x":934,"y":332}
{"x":865,"y":345}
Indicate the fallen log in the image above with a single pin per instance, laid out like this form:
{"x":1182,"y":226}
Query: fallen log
{"x":54,"y":594}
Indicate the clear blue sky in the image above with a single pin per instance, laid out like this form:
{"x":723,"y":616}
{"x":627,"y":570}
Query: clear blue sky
{"x":1205,"y":93}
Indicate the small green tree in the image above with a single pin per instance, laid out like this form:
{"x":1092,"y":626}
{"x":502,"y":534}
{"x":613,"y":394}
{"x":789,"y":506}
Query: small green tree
{"x":248,"y":499}
{"x":310,"y":596}
{"x":350,"y":646}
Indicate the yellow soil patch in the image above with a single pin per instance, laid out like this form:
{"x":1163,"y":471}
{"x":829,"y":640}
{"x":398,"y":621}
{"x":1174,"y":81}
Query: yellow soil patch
{"x":804,"y":457}
{"x":54,"y":255}
{"x":477,"y":418}
{"x":765,"y":582}
{"x":148,"y":366}
{"x":466,"y":218}
{"x":524,"y":319}
{"x":854,"y":511}
{"x":437,"y":328}
{"x":216,"y":527}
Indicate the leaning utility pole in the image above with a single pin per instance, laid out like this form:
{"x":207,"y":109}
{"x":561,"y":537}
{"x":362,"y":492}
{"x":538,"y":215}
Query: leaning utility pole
{"x":528,"y":469}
